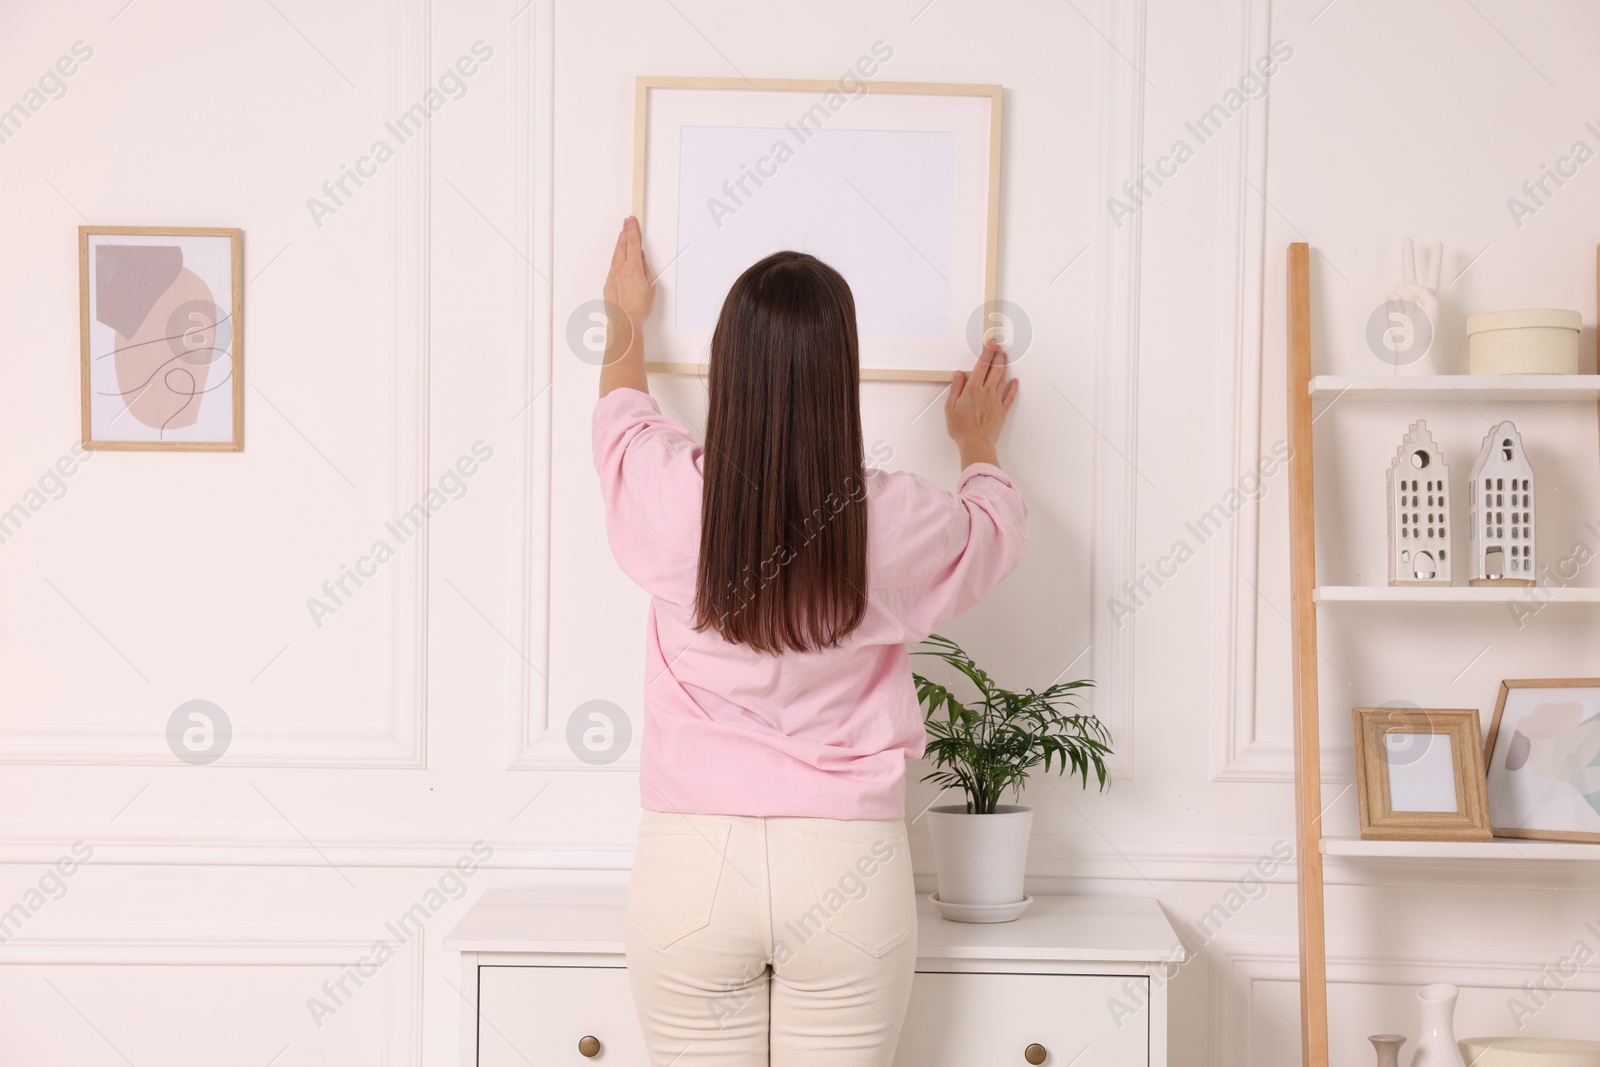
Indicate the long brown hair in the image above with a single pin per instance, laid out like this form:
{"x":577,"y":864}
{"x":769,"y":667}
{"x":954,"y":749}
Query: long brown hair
{"x":783,"y":541}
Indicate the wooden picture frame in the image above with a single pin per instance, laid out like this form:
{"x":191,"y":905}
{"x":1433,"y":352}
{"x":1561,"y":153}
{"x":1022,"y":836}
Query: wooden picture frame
{"x":883,"y":357}
{"x":154,"y":338}
{"x":1442,"y":795}
{"x":1517,"y":755}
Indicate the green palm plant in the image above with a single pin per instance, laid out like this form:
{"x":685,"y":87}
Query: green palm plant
{"x":987,"y":746}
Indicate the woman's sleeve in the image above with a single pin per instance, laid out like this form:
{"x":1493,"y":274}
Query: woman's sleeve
{"x":972,"y":538}
{"x":650,"y":486}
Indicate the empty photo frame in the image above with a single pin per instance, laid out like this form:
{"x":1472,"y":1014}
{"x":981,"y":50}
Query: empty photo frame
{"x":894,"y":184}
{"x":1419,"y":774}
{"x":1541,"y":753}
{"x":162,"y":338}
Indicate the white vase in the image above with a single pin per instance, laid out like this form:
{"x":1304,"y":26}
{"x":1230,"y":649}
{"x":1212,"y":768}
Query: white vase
{"x":1436,"y":1045}
{"x":980,"y":859}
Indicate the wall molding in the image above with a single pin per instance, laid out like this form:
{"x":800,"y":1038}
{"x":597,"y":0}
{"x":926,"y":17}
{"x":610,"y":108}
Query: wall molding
{"x":398,"y":744}
{"x":1116,"y":300}
{"x":327,"y":845}
{"x":534,"y":744}
{"x":599,"y":849}
{"x":1238,"y":751}
{"x":401,"y":740}
{"x":238,"y":945}
{"x":1239,"y":963}
{"x":410,"y":76}
{"x":1056,"y":862}
{"x":534,"y":741}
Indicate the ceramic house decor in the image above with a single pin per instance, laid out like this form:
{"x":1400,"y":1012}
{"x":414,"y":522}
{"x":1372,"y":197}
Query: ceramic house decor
{"x":1419,"y":511}
{"x":1502,"y":511}
{"x":1530,"y":341}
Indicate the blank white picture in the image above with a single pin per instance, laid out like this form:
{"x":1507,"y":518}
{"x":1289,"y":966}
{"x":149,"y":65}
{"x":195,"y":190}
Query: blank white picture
{"x":1422,"y":771}
{"x":876,"y":205}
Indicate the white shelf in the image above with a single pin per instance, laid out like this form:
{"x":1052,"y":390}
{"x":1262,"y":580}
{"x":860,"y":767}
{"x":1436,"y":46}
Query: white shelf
{"x":1498,"y":849}
{"x":1453,"y":594}
{"x":1459,"y":387}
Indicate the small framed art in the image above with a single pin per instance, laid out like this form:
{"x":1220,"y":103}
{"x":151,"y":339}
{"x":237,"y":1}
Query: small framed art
{"x":1419,"y":774}
{"x":1541,"y":753}
{"x":162,"y":337}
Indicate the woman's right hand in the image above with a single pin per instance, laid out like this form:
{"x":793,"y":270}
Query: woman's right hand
{"x":976,"y":408}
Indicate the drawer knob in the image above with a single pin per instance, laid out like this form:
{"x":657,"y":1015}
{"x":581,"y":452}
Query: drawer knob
{"x":589,"y":1046}
{"x":1034,"y":1053}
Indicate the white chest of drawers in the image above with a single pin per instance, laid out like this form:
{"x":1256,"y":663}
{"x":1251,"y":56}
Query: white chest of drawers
{"x":1077,"y":981}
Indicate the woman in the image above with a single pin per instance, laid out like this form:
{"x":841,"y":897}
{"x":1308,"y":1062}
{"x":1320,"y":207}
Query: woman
{"x":771,"y":912}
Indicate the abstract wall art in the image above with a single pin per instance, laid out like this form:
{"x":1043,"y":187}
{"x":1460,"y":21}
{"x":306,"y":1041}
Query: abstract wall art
{"x":162,"y":329}
{"x":1543,"y":757}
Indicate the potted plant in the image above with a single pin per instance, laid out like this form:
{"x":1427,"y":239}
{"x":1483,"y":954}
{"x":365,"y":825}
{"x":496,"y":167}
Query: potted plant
{"x":983,"y":747}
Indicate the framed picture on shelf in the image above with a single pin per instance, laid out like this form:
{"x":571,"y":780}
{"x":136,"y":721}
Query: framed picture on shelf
{"x":1542,"y":751}
{"x":1419,"y":774}
{"x":162,"y":338}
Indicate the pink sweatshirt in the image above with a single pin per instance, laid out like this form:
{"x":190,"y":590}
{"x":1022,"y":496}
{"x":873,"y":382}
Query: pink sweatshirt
{"x":732,"y":731}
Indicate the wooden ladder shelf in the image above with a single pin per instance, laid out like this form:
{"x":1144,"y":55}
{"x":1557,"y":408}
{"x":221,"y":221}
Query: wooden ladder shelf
{"x":1309,"y":840}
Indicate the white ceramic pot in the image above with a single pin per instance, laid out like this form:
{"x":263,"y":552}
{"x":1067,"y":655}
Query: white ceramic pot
{"x":980,"y":859}
{"x":1531,"y":341}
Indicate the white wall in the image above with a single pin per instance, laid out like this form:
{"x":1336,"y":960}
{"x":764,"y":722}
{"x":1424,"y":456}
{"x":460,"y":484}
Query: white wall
{"x":429,"y":313}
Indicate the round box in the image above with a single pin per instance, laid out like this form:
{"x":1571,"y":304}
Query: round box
{"x":1530,"y":341}
{"x":1529,"y":1052}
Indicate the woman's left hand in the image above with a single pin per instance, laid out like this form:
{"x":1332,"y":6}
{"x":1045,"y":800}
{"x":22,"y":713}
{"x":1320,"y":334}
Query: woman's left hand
{"x":629,"y":292}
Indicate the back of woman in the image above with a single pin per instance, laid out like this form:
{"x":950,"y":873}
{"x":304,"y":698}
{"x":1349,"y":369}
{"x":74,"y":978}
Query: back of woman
{"x":785,"y":582}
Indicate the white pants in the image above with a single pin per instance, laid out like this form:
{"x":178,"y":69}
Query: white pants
{"x":771,"y":940}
